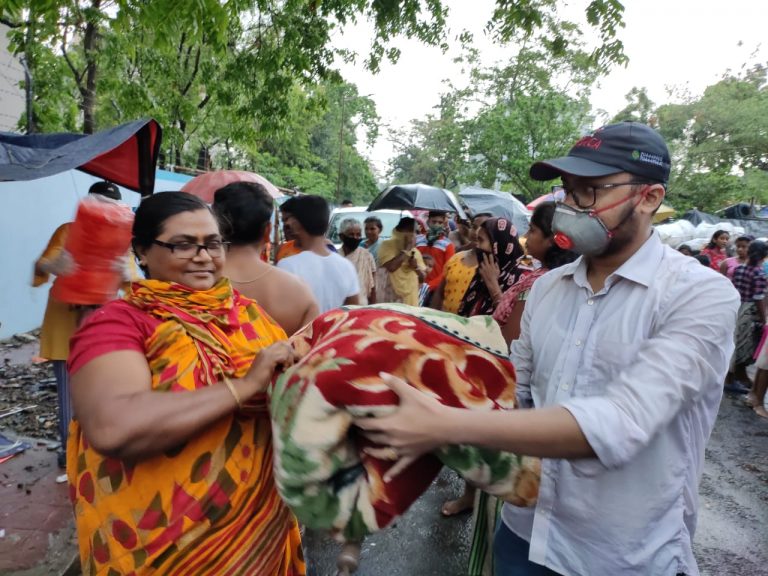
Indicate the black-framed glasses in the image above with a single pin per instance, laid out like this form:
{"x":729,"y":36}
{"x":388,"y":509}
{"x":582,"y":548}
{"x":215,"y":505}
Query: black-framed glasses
{"x":586,"y":196}
{"x":188,"y":250}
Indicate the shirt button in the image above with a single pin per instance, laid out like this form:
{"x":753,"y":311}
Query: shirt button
{"x":590,"y":302}
{"x":578,"y":342}
{"x":565,"y":386}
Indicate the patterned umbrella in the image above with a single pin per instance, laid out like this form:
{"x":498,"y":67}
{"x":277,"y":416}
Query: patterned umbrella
{"x":205,"y":185}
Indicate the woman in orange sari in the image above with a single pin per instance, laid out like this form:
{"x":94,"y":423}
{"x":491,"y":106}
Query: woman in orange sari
{"x":170,"y":457}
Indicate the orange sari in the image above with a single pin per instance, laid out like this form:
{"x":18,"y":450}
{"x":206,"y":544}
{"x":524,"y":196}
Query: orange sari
{"x":209,"y":506}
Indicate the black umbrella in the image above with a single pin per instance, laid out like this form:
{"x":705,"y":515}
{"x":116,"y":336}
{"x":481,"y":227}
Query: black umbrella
{"x":417,"y":196}
{"x":125,"y":155}
{"x":499,"y":204}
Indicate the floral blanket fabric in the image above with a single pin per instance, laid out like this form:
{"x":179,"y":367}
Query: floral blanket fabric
{"x":321,"y":470}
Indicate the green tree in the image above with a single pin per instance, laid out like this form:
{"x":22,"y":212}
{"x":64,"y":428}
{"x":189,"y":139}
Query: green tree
{"x":509,"y":116}
{"x":639,"y":108}
{"x":535,"y":106}
{"x":284,"y":42}
{"x":719,"y":143}
{"x":304,"y":154}
{"x":433,"y":150}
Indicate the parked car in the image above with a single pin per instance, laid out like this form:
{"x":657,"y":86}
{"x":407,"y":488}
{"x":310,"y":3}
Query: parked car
{"x":389,"y":219}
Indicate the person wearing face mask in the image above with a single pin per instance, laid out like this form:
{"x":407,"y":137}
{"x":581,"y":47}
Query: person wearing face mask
{"x":620,"y":362}
{"x":351,"y":235}
{"x":435,"y":242}
{"x":540,"y":246}
{"x":498,"y":250}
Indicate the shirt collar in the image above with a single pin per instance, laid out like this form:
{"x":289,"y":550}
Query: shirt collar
{"x":640,"y":268}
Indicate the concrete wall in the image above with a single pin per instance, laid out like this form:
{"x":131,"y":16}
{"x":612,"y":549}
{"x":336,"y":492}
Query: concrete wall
{"x":29,"y":213}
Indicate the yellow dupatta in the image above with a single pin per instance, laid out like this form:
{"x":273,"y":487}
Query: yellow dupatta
{"x":209,"y":506}
{"x":404,"y":280}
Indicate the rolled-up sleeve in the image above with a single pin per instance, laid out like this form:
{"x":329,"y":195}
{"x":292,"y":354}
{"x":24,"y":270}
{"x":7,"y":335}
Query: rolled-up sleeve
{"x":685,"y":357}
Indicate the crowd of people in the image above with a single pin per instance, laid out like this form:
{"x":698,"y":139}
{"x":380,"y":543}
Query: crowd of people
{"x":747,"y":268}
{"x":619,"y":374}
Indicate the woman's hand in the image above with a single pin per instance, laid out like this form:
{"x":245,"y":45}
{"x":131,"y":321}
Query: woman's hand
{"x":489,"y":272}
{"x":413,"y":430}
{"x":122,"y":266}
{"x":62,"y":265}
{"x":278,"y":355}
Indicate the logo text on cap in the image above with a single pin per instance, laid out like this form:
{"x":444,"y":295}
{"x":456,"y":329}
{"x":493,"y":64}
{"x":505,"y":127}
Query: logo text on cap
{"x":589,"y":142}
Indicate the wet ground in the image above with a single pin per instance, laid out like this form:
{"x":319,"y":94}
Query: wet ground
{"x":732,"y":538}
{"x":733,"y":519}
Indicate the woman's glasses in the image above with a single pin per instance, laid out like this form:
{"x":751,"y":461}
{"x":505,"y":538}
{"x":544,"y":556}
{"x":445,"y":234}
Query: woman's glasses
{"x":189,"y":250}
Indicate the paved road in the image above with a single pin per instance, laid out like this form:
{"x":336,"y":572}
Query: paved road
{"x":730,"y":541}
{"x":421,"y":543}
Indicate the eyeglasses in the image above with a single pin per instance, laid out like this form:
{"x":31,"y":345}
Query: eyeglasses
{"x":586,"y":196}
{"x":189,"y":250}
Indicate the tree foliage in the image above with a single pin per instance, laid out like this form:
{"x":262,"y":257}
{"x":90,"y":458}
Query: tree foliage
{"x":719,"y":143}
{"x":433,"y":150}
{"x":488,"y":134}
{"x":252,"y":82}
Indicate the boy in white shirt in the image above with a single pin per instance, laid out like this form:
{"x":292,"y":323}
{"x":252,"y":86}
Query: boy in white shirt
{"x":332,"y":278}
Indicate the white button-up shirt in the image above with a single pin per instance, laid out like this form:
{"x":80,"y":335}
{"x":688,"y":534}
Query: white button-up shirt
{"x":640,"y":366}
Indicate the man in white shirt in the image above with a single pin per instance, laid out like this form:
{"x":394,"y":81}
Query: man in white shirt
{"x":332,"y":278}
{"x":621,"y":359}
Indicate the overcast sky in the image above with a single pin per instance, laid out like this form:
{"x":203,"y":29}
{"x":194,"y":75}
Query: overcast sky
{"x":687,"y":44}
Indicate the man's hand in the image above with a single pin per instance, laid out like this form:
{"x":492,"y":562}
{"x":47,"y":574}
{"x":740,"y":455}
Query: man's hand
{"x":62,"y":265}
{"x":122,"y":267}
{"x":411,"y":431}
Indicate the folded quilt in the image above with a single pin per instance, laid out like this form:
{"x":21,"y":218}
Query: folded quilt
{"x":321,"y":470}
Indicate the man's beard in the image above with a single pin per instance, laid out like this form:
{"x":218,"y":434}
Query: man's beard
{"x":624,"y":234}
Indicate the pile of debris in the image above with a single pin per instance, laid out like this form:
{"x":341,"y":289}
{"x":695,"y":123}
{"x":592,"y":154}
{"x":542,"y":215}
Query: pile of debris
{"x":28,"y":400}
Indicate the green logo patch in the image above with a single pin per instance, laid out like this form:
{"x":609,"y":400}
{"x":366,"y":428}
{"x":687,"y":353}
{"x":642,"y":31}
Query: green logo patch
{"x":635,"y":154}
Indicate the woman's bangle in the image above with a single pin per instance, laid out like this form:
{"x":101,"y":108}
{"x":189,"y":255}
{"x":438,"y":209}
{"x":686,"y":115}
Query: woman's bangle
{"x":233,"y":390}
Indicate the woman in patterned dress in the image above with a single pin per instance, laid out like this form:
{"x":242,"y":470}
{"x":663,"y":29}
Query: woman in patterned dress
{"x":170,"y":457}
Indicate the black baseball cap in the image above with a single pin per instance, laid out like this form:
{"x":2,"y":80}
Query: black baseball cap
{"x":106,"y":189}
{"x":625,"y":147}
